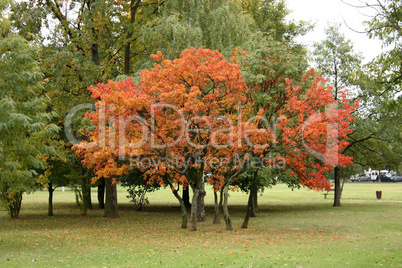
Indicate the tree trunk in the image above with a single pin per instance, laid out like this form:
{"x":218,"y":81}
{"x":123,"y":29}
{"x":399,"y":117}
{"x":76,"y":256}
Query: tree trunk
{"x":14,"y":206}
{"x":226,"y":214}
{"x":186,"y":196}
{"x":248,"y":213}
{"x":252,"y":201}
{"x":196,"y":192}
{"x":101,"y":193}
{"x":216,"y":212}
{"x":201,"y":203}
{"x":111,"y":210}
{"x":86,"y":189}
{"x":134,"y":4}
{"x":254,"y":195}
{"x":182,"y":206}
{"x":221,"y":199}
{"x":225,"y":194}
{"x":50,"y":205}
{"x":337,"y":194}
{"x":95,"y":54}
{"x":183,"y":213}
{"x":194,"y":206}
{"x":89,"y":194}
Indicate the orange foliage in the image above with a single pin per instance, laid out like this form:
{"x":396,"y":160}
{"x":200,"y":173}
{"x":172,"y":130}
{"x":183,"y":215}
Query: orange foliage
{"x":199,"y":105}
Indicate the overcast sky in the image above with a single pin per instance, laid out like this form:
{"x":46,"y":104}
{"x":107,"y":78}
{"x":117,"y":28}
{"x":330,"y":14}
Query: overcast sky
{"x":322,"y":12}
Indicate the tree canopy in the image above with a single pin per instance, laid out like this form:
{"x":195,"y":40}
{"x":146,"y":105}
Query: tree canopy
{"x":25,"y":124}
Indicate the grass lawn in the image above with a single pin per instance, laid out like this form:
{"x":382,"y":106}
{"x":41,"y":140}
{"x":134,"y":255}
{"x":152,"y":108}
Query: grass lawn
{"x":294,"y":228}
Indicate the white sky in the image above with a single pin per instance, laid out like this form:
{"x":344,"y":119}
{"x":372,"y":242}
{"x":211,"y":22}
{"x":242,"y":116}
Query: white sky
{"x":322,"y":12}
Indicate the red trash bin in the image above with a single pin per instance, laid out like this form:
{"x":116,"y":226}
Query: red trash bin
{"x":378,"y":194}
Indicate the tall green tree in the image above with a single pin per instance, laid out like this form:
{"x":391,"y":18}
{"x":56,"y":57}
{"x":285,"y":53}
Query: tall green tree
{"x":25,"y":128}
{"x":83,"y":42}
{"x":336,"y":60}
{"x":218,"y":25}
{"x":386,"y":25}
{"x":378,"y":121}
{"x":270,"y":19}
{"x":382,"y":80}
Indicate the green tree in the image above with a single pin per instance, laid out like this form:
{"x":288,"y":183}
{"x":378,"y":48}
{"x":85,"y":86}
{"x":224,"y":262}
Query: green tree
{"x":376,"y":141}
{"x":383,"y":77}
{"x":58,"y":177}
{"x":218,"y":25}
{"x":25,"y":127}
{"x":270,"y":19}
{"x":83,"y":42}
{"x":386,"y":25}
{"x":337,"y":61}
{"x":265,"y":65}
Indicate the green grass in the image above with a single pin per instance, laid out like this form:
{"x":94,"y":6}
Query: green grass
{"x":294,"y":228}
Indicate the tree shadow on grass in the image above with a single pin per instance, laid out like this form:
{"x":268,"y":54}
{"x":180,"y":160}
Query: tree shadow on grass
{"x":67,"y":214}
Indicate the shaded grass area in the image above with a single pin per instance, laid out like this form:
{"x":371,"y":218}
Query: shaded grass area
{"x":294,"y":228}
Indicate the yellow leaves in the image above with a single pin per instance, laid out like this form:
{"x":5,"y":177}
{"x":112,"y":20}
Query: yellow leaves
{"x":260,"y":112}
{"x":43,"y":179}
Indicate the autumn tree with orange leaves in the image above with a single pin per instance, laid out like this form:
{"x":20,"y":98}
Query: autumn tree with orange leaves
{"x":193,"y":115}
{"x":293,"y":111}
{"x":171,"y":114}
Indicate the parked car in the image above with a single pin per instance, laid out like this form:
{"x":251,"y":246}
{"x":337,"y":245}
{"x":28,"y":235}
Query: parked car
{"x":360,"y":177}
{"x":396,"y":177}
{"x":385,"y":178}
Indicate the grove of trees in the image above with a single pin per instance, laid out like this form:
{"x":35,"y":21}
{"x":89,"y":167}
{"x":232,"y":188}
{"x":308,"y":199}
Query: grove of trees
{"x":186,"y":94}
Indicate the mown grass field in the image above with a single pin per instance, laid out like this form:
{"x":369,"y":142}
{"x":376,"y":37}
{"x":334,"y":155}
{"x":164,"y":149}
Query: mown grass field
{"x":294,"y":228}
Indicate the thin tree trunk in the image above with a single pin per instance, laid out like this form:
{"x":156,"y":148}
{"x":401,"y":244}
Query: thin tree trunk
{"x":89,"y":193}
{"x":86,"y":189}
{"x":252,"y":200}
{"x":111,"y":210}
{"x":225,"y":209}
{"x":182,"y":206}
{"x":19,"y":205}
{"x":226,"y":214}
{"x":127,"y":52}
{"x":254,"y":195}
{"x":50,"y":205}
{"x":186,"y":196}
{"x":95,"y":46}
{"x":95,"y":53}
{"x":248,"y":213}
{"x":216,"y":212}
{"x":101,"y":193}
{"x":194,"y":206}
{"x":337,"y":194}
{"x":221,"y":200}
{"x":196,"y":193}
{"x":201,"y":204}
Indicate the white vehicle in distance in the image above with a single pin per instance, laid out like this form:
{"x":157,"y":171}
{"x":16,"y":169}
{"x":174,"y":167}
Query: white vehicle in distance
{"x":360,"y":177}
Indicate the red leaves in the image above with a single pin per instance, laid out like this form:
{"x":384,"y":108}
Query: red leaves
{"x":314,"y":124}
